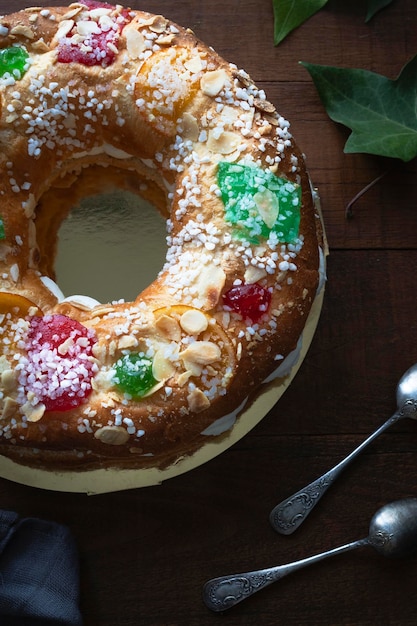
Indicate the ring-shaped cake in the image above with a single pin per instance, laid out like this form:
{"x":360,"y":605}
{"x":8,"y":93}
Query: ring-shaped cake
{"x":92,"y":95}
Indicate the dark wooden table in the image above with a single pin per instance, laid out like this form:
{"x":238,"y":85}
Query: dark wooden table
{"x":145,"y":554}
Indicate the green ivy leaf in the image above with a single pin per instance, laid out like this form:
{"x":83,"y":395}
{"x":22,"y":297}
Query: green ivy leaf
{"x":289,"y":14}
{"x":374,"y":6}
{"x":381,"y":113}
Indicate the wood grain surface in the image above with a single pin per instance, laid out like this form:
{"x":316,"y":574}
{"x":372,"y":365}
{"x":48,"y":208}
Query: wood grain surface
{"x":145,"y":554}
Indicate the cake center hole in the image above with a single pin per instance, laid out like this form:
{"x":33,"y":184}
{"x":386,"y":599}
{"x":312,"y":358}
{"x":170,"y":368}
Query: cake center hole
{"x":110,"y":247}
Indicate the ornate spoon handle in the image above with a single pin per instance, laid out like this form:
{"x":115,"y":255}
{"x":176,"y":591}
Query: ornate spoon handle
{"x":287,"y":516}
{"x":224,"y":592}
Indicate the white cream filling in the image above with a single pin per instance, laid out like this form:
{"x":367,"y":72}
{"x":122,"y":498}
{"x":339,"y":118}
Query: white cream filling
{"x":287,"y":364}
{"x":77,"y":299}
{"x":53,"y":287}
{"x":85,"y":302}
{"x":322,"y":271}
{"x":105,"y":148}
{"x":224,"y":423}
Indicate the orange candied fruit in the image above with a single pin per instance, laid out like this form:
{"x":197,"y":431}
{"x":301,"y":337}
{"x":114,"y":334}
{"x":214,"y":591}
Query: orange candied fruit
{"x":17,"y":306}
{"x":164,"y":87}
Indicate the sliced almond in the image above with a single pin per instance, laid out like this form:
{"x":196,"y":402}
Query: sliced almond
{"x":135,"y":43}
{"x":157,"y":24}
{"x":40,"y":46}
{"x":127,"y":341}
{"x":33,"y":413}
{"x":190,"y":125}
{"x":267,"y":204}
{"x":102,"y":310}
{"x":106,"y":23}
{"x":96,"y":14}
{"x":194,"y":65}
{"x":169,"y":327}
{"x":112,"y":347}
{"x":155,"y":388}
{"x":23,"y":31}
{"x":243,"y":78}
{"x":165,"y":40}
{"x":226,"y":143}
{"x":212,"y":83}
{"x":210,"y":284}
{"x":198,"y":401}
{"x":4,"y":363}
{"x":254,"y":274}
{"x":193,"y":322}
{"x":112,"y":435}
{"x":193,"y":368}
{"x":201,"y":352}
{"x":64,"y":28}
{"x":9,"y":408}
{"x":72,"y":13}
{"x":162,"y":368}
{"x":264,"y":106}
{"x":184,"y":378}
{"x":8,"y":380}
{"x":271,"y":119}
{"x":86,"y":28}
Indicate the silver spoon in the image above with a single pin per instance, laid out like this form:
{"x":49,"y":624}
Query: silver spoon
{"x":287,"y":516}
{"x":392,"y":532}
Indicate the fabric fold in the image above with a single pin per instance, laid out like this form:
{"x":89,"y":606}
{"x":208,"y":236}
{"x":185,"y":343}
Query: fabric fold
{"x":39,"y":573}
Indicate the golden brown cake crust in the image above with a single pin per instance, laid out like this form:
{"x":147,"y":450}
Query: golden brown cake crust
{"x":163,"y":113}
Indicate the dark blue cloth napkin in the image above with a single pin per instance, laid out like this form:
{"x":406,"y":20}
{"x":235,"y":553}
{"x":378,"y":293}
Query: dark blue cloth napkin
{"x":39,"y":573}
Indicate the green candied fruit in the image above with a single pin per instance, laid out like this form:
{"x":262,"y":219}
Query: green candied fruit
{"x":13,"y":61}
{"x":259,"y":203}
{"x":134,"y":374}
{"x":2,"y":231}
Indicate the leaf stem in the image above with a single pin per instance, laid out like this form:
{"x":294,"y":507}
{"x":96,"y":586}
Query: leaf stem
{"x":349,"y":206}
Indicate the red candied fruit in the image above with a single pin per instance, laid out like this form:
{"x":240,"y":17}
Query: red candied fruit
{"x":98,"y":48}
{"x":100,"y":53}
{"x":251,"y":301}
{"x":95,"y":4}
{"x":59,"y":368}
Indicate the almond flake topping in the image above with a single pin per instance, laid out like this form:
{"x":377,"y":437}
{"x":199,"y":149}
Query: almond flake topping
{"x":168,"y":327}
{"x":194,"y":65}
{"x":268,"y":206}
{"x":201,"y":352}
{"x":213,"y":82}
{"x":33,"y":413}
{"x":135,"y":43}
{"x":193,"y":322}
{"x":112,"y":435}
{"x":191,"y":130}
{"x":225,"y":144}
{"x":24,"y":31}
{"x":198,"y":401}
{"x":162,"y":368}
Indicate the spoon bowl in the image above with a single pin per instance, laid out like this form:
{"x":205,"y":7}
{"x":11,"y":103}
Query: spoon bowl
{"x":287,"y":516}
{"x":393,"y":528}
{"x":407,"y":388}
{"x":392,"y":532}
